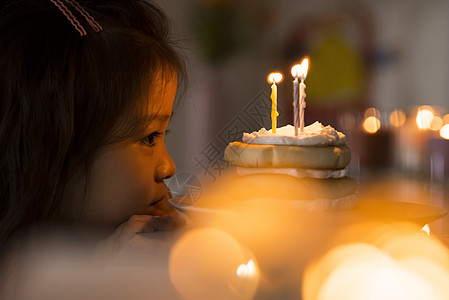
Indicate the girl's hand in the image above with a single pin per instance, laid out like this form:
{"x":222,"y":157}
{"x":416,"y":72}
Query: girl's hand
{"x":137,"y":224}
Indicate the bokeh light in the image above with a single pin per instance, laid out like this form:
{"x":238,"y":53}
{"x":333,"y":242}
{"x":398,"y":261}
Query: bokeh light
{"x":397,"y":118}
{"x":436,"y":123}
{"x":372,"y":112}
{"x":424,"y":117}
{"x":444,"y":132}
{"x":446,"y":119}
{"x":383,"y":261}
{"x":208,"y":263}
{"x":371,"y":124}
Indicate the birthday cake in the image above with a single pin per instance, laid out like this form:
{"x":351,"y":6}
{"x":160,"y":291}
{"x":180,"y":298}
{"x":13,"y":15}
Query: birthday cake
{"x":307,"y":171}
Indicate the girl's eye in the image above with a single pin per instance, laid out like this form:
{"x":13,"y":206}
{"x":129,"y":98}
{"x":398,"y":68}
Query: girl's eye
{"x":149,"y":140}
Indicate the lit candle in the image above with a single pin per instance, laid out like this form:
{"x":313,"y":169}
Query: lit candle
{"x":274,"y":78}
{"x":296,"y":70}
{"x":302,"y":92}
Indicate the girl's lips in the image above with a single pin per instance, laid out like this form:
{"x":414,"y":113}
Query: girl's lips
{"x":157,"y":201}
{"x":159,"y":207}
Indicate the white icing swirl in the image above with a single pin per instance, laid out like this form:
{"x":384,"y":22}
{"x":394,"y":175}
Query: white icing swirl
{"x":314,"y":135}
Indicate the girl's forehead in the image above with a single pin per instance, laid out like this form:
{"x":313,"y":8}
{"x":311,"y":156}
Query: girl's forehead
{"x":162,"y":94}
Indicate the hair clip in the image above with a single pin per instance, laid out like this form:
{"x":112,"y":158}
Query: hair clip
{"x":92,"y":22}
{"x":73,"y":20}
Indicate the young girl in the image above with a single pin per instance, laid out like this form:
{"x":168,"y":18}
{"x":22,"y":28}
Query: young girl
{"x":86,"y":94}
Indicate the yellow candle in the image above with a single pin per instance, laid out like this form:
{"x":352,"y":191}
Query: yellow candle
{"x":274,"y":103}
{"x":274,"y":78}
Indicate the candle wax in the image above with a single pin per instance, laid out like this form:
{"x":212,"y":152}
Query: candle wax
{"x":274,"y":112}
{"x":296,"y":105}
{"x":302,"y":105}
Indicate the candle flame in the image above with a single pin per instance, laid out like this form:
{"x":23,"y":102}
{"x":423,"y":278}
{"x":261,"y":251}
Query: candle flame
{"x":304,"y":68}
{"x":426,"y":229}
{"x":296,"y":70}
{"x":246,"y":270}
{"x":274,"y":77}
{"x":300,"y":70}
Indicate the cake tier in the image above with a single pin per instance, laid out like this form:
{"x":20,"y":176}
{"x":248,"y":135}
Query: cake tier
{"x":295,"y":172}
{"x":286,"y":187}
{"x":283,"y":156}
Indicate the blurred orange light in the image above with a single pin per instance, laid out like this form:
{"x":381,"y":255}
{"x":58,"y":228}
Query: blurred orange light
{"x":388,"y":262}
{"x":397,"y":118}
{"x":372,"y":112}
{"x":436,"y":123}
{"x":446,"y":119}
{"x":371,"y":124}
{"x":208,"y":263}
{"x":444,"y":132}
{"x":424,"y":118}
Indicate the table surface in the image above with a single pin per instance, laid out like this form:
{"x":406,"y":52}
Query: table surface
{"x":279,"y":243}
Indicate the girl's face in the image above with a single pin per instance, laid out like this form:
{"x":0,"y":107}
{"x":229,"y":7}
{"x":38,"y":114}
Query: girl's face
{"x":127,"y":179}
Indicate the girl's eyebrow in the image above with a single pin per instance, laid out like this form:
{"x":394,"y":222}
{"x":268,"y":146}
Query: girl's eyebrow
{"x":157,"y":117}
{"x":147,"y":120}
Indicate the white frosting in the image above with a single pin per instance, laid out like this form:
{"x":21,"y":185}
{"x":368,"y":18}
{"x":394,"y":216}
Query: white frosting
{"x":295,"y":172}
{"x":314,"y":135}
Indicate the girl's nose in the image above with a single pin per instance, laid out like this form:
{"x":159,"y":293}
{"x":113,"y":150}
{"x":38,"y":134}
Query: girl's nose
{"x":166,"y":167}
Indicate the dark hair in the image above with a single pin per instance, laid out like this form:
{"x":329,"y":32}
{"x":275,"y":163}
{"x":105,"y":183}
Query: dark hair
{"x":62,"y":95}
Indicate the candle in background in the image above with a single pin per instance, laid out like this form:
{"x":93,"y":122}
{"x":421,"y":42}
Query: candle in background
{"x":274,"y":78}
{"x":296,"y":70}
{"x":302,"y":92}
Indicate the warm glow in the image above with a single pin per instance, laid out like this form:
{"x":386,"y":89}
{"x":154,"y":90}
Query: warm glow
{"x":426,"y":229}
{"x":436,"y":123}
{"x":247,"y":270}
{"x":361,"y":271}
{"x":371,"y":124}
{"x":446,"y":119}
{"x":397,"y":118}
{"x":300,"y":70}
{"x":296,"y":70}
{"x":372,"y":112}
{"x":274,"y":77}
{"x":389,"y":261}
{"x":304,"y":68}
{"x":203,"y":264}
{"x":424,"y":117}
{"x":444,"y":132}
